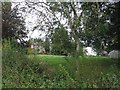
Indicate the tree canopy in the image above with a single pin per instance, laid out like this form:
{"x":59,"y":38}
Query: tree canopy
{"x":60,"y":42}
{"x":13,"y":25}
{"x":94,"y":24}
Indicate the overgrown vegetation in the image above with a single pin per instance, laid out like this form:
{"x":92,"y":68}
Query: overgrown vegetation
{"x":50,"y":71}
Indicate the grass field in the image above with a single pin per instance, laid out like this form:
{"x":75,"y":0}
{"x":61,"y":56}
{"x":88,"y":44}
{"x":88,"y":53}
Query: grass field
{"x":87,"y":67}
{"x":56,"y":59}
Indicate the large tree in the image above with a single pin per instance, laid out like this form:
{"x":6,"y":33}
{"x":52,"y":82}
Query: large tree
{"x":114,"y":26}
{"x":53,"y":14}
{"x":102,"y":25}
{"x":72,"y":12}
{"x":95,"y":25}
{"x":12,"y":23}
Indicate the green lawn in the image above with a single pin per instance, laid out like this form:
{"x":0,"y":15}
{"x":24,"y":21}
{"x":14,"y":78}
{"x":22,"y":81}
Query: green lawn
{"x":88,"y":67}
{"x":56,"y":59}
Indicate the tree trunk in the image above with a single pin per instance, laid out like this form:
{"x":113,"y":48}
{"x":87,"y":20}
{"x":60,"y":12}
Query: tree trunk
{"x":77,"y":47}
{"x":77,"y":42}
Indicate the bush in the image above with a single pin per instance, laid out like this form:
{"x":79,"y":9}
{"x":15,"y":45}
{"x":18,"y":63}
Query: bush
{"x":20,"y":71}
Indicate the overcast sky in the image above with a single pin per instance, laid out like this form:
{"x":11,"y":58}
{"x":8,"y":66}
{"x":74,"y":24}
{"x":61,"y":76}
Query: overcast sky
{"x":30,"y":20}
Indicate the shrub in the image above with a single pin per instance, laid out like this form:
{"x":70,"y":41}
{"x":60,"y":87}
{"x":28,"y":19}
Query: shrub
{"x":20,"y":71}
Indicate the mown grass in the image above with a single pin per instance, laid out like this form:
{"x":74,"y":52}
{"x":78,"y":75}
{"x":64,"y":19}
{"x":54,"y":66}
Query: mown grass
{"x":56,"y":59}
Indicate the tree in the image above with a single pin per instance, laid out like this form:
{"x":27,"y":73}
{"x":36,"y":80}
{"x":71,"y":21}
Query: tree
{"x":114,"y":26}
{"x":92,"y":24}
{"x":12,"y":23}
{"x":102,"y":25}
{"x":60,"y":42}
{"x":71,"y":11}
{"x":47,"y":45}
{"x":96,"y":25}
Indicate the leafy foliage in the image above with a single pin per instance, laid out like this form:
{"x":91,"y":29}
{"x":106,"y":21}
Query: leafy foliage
{"x":60,"y":42}
{"x":47,"y":45}
{"x":114,"y":11}
{"x":101,"y":25}
{"x":12,"y":23}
